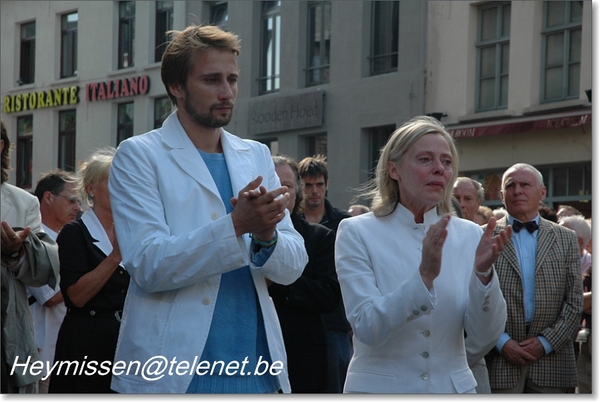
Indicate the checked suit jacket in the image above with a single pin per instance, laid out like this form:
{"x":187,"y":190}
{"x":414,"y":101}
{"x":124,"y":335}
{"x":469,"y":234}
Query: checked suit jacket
{"x":558,"y":303}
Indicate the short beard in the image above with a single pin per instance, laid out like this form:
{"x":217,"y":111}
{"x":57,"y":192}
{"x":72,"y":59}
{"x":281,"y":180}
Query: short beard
{"x":206,"y":120}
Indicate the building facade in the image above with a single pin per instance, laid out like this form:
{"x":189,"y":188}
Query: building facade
{"x":513,"y":82}
{"x":317,"y":77}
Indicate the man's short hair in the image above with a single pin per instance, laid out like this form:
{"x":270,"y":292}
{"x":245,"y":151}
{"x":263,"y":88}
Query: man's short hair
{"x":579,"y":225}
{"x":54,"y":182}
{"x":176,"y":65}
{"x":314,"y":166}
{"x":477,"y":185}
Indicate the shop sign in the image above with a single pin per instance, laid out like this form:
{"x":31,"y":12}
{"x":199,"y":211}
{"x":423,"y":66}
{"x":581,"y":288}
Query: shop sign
{"x":523,"y":126}
{"x":41,"y":99}
{"x":286,"y":113}
{"x":120,"y":88}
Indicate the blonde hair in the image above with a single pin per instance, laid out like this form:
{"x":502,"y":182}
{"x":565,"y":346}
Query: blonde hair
{"x":383,"y":189}
{"x":95,"y":169}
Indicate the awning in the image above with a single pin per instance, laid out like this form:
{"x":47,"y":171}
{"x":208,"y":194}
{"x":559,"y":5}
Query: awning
{"x":523,"y":125}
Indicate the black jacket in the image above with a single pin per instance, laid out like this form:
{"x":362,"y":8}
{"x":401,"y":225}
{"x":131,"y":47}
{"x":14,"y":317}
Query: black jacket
{"x":300,"y":307}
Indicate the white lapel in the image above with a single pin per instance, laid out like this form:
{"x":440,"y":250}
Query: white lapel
{"x":93,"y":225}
{"x":7,"y":204}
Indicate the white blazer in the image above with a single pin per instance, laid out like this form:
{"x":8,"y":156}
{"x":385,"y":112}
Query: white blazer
{"x":176,"y":240}
{"x":20,"y":208}
{"x":406,"y":339}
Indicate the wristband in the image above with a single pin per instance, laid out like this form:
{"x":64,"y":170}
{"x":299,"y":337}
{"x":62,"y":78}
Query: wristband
{"x":486,"y":273}
{"x":264,"y":244}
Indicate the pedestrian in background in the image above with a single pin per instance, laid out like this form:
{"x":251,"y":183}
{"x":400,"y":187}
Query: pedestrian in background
{"x":93,"y":283}
{"x":57,"y":193}
{"x":29,"y":258}
{"x":301,"y":304}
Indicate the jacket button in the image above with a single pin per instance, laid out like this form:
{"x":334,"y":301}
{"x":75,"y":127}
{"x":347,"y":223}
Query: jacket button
{"x":425,"y":355}
{"x":214,"y":216}
{"x":92,"y":313}
{"x":426,"y":333}
{"x":425,"y":376}
{"x":206,"y":301}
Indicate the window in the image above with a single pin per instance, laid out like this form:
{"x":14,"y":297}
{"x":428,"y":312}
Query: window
{"x":218,"y":14}
{"x":125,"y":121}
{"x":126,"y":33}
{"x":384,"y":38}
{"x":561,"y":48}
{"x":162,"y":108}
{"x":319,"y":41}
{"x":27,"y":61}
{"x":572,"y":181}
{"x":271,"y":45}
{"x":68,"y":45}
{"x":493,"y":35}
{"x":66,"y":140}
{"x":164,"y":23}
{"x":24,"y":151}
{"x":317,"y":145}
{"x":378,"y":137}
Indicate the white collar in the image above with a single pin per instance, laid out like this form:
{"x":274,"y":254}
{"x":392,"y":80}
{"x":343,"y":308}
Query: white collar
{"x":50,"y":232}
{"x":92,"y":223}
{"x":405,"y":215}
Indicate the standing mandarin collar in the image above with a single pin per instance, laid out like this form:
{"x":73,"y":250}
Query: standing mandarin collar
{"x":408,"y":218}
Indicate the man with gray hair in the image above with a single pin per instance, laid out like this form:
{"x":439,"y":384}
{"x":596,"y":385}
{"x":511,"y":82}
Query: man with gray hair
{"x":57,"y":193}
{"x":584,"y":233}
{"x":540,"y":277}
{"x":469,"y":194}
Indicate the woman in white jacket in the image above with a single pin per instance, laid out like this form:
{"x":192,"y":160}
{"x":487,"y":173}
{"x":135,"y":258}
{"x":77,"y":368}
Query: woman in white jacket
{"x":413,"y":278}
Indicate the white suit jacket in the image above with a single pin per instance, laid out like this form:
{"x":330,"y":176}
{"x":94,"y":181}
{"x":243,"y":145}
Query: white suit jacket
{"x":406,"y":339}
{"x":176,"y":239}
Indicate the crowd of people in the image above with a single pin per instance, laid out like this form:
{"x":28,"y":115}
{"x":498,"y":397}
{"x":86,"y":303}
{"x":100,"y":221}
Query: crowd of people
{"x":223,"y":269}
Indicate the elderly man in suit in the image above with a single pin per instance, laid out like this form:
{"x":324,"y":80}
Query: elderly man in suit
{"x":539,"y":273}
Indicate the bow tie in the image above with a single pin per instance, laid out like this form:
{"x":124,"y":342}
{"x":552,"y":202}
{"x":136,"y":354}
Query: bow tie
{"x":531,"y":226}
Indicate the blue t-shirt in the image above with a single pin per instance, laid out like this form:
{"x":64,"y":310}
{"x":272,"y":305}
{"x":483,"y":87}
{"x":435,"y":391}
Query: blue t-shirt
{"x":237,"y":332}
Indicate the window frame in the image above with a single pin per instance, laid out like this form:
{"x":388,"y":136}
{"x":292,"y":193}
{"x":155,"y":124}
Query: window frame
{"x":68,"y":52}
{"x":27,"y":54}
{"x":391,"y":35}
{"x":163,"y":24}
{"x":499,"y":43}
{"x":124,"y":128}
{"x":378,"y":137}
{"x":67,"y":141}
{"x":24,"y":152}
{"x":270,"y":61}
{"x":160,"y":105}
{"x":215,"y":8}
{"x":126,"y":35}
{"x":322,"y":69}
{"x":567,"y":29}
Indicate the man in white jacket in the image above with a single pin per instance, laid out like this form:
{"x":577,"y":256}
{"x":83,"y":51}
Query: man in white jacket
{"x":201,"y":220}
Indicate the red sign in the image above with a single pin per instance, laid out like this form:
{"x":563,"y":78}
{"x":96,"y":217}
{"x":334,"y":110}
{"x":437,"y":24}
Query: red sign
{"x":117,"y":88}
{"x":523,"y":126}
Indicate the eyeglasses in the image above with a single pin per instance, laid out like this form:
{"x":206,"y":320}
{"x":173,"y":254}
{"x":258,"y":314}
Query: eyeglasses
{"x":73,"y":200}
